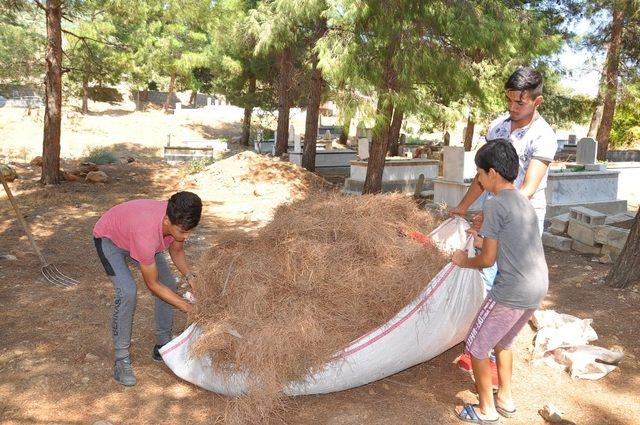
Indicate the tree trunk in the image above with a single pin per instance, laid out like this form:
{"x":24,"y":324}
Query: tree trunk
{"x":379,"y":147}
{"x":53,"y":95}
{"x":85,"y":95}
{"x":468,"y":134}
{"x":346,"y":126}
{"x":613,"y":62}
{"x":313,"y":104}
{"x":380,"y":142}
{"x":626,"y":270}
{"x":285,"y":78}
{"x":394,"y":131}
{"x":248,"y":111}
{"x":167,"y":102}
{"x":597,"y":113}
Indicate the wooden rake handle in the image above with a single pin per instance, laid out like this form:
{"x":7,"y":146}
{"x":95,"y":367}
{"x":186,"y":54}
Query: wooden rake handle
{"x":23,"y":223}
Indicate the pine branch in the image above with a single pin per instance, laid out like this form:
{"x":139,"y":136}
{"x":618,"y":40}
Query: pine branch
{"x":85,"y":39}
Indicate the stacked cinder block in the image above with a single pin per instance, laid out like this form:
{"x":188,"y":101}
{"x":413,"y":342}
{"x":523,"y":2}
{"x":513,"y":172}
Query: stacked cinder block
{"x":588,"y":231}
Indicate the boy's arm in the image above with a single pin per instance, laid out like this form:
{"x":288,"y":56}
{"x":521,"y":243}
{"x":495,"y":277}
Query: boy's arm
{"x":179,"y":258}
{"x":535,"y":172}
{"x":150,"y":276}
{"x":473,"y":193}
{"x":486,"y":258}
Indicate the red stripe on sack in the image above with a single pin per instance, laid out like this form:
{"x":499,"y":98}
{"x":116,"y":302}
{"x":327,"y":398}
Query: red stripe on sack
{"x":178,"y":344}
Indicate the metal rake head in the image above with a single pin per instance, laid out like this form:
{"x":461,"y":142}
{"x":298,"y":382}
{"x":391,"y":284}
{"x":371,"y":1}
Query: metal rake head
{"x":53,"y":275}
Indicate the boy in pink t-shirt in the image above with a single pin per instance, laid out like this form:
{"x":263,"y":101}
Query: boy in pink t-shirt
{"x":141,"y":230}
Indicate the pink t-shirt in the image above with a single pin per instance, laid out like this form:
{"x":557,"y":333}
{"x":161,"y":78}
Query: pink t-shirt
{"x":136,"y":226}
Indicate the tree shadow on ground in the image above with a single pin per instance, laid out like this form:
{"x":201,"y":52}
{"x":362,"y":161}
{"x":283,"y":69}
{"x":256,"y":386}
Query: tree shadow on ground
{"x":221,"y":130}
{"x":115,"y":112}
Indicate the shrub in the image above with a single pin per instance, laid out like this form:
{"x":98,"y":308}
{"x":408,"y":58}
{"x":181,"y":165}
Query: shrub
{"x":100,"y":156}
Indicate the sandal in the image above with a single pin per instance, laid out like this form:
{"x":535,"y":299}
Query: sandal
{"x":502,"y":411}
{"x":469,"y":414}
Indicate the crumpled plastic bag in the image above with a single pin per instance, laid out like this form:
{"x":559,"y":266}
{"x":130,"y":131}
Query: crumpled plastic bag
{"x":562,"y":342}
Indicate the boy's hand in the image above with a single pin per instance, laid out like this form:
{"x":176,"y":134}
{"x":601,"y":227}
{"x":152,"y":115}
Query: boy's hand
{"x":457,"y":211}
{"x":477,"y":239}
{"x":459,"y":257}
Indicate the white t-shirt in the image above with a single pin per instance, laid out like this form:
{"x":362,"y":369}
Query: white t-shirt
{"x":537,"y":140}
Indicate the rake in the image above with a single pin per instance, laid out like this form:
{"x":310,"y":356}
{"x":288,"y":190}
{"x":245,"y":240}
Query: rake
{"x":49,"y":271}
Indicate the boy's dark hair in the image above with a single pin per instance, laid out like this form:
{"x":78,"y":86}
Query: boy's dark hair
{"x":500,"y":155}
{"x":184,"y":209}
{"x":525,"y":78}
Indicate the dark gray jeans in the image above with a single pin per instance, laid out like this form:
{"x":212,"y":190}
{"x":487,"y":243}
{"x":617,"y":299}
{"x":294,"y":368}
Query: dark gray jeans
{"x":114,"y":260}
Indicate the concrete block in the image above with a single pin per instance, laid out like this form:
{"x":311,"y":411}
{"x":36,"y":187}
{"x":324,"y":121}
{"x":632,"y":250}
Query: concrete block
{"x":453,"y":163}
{"x":559,"y":224}
{"x":612,"y":252}
{"x":587,"y":215}
{"x":610,"y":235}
{"x":617,"y":218}
{"x":595,"y":167}
{"x":556,"y":242}
{"x":581,"y":232}
{"x":586,"y":249}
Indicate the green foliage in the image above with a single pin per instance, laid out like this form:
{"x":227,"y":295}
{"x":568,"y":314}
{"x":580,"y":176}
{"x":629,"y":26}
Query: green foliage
{"x":100,"y":156}
{"x":626,"y":120}
{"x":22,"y":40}
{"x":197,"y":165}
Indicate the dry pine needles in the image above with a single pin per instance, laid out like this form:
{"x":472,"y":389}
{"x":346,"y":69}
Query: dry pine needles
{"x":324,"y":272}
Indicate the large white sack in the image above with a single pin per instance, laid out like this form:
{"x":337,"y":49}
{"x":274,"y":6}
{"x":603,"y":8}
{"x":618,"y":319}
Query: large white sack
{"x":435,"y":321}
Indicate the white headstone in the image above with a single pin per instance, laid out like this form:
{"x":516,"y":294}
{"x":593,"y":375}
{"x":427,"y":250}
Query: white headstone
{"x":292,"y":134}
{"x":457,"y":165}
{"x":178,"y":106}
{"x":327,"y":135}
{"x":453,"y":163}
{"x":297,"y":145}
{"x":208,"y":101}
{"x":260,"y":135}
{"x":587,"y":151}
{"x":363,"y":148}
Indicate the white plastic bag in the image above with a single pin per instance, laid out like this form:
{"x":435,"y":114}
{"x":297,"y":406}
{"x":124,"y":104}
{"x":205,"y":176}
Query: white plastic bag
{"x":435,"y":321}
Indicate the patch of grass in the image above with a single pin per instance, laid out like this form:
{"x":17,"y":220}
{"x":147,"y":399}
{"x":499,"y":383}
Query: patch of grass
{"x":100,"y":156}
{"x":197,"y":165}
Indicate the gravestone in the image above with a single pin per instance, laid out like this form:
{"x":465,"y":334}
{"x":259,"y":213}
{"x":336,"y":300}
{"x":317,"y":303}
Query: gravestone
{"x":297,"y":145}
{"x":292,"y":134}
{"x":208,"y":101}
{"x":572,"y":139}
{"x":586,"y":153}
{"x":178,"y":106}
{"x":458,"y":165}
{"x":363,"y":148}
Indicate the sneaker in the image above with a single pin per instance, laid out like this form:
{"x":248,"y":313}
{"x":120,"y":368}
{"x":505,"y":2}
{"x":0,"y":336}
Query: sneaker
{"x":155,"y":355}
{"x":123,"y":372}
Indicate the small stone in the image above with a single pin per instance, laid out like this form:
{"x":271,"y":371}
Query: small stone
{"x":8,"y":173}
{"x":588,"y":268}
{"x":90,"y":357}
{"x":85,"y":379}
{"x":385,"y":386}
{"x":36,"y":162}
{"x":70,"y":177}
{"x":97,"y":177}
{"x":87,"y":167}
{"x":8,"y":257}
{"x":578,"y":285}
{"x":605,"y":259}
{"x":372,"y":391}
{"x":550,"y":413}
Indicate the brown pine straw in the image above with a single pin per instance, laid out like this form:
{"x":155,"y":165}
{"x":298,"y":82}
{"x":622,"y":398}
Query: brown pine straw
{"x":325,"y":271}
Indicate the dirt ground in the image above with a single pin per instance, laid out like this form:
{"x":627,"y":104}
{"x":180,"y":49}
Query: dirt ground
{"x":56,"y":351}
